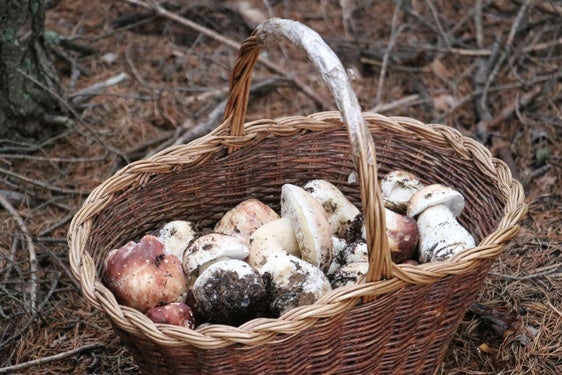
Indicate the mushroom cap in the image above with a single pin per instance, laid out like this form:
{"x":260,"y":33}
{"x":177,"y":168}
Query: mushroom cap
{"x":403,"y":235}
{"x":279,"y":230}
{"x":263,"y":251}
{"x":175,"y":313}
{"x":397,"y":187}
{"x":310,"y":225}
{"x":230,"y":292}
{"x":176,"y":236}
{"x":340,"y":212}
{"x":292,"y":282}
{"x":349,"y":274}
{"x":433,"y":195}
{"x":209,"y":248}
{"x":142,"y":276}
{"x":245,"y":218}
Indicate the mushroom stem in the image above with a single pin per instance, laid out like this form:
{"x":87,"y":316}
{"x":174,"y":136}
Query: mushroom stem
{"x":441,"y":235}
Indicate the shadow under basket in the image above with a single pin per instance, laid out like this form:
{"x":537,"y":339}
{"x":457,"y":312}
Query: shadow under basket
{"x":399,"y":324}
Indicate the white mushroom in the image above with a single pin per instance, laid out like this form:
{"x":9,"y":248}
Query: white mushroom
{"x":279,"y":230}
{"x":349,"y":274}
{"x":441,"y":235}
{"x":355,"y":252}
{"x":290,"y":281}
{"x":309,"y":224}
{"x":397,"y":187}
{"x":338,"y":245}
{"x":245,"y":218}
{"x":230,"y":292}
{"x":339,"y":210}
{"x":211,"y":248}
{"x":176,"y":236}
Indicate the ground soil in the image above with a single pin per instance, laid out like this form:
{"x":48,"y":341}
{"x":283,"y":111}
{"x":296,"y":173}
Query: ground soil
{"x":488,"y":68}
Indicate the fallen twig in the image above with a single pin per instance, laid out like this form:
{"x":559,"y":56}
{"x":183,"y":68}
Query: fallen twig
{"x":160,"y":10}
{"x":55,"y":357}
{"x":39,"y":183}
{"x":393,"y":35}
{"x":402,"y":103}
{"x":82,"y":95}
{"x":30,"y":248}
{"x":551,"y":270}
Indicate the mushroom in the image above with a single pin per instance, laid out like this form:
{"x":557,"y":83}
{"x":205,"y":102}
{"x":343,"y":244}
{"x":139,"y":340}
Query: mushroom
{"x":290,"y":281}
{"x":441,"y":235}
{"x":230,"y":292}
{"x":397,"y":187}
{"x":279,"y":230}
{"x":339,"y":210}
{"x":245,"y":218}
{"x":403,"y":235}
{"x":355,"y":252}
{"x":141,"y":275}
{"x":349,"y":274}
{"x":338,"y":245}
{"x":310,"y":225}
{"x":211,"y":248}
{"x":175,"y":313}
{"x":176,"y":236}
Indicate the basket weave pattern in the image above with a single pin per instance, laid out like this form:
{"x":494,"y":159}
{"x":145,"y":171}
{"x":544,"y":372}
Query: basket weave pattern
{"x":414,"y":310}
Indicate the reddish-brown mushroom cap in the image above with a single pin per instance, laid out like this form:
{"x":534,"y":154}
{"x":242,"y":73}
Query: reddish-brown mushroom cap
{"x":175,"y":313}
{"x":142,"y":276}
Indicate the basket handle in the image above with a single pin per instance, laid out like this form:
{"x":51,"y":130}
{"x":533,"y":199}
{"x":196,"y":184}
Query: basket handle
{"x":363,"y":148}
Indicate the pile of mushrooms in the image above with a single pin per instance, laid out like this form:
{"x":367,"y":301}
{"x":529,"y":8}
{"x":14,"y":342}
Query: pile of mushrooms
{"x":256,"y":262}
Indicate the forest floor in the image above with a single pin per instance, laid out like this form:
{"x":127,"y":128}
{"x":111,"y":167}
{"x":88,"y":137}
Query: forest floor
{"x":135,"y":83}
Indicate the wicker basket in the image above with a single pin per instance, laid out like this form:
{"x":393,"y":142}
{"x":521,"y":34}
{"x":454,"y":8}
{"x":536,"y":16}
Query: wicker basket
{"x":399,"y":321}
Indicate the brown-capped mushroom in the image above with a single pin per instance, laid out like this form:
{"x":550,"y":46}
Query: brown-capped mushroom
{"x":245,"y":218}
{"x":175,"y":313}
{"x":441,"y":235}
{"x":403,"y":235}
{"x":141,"y":275}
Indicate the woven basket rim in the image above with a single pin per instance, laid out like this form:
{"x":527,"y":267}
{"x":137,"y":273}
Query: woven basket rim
{"x":262,"y":330}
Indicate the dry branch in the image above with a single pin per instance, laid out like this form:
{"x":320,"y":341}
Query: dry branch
{"x":395,"y":31}
{"x":83,"y":94}
{"x":30,"y":248}
{"x":55,"y":357}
